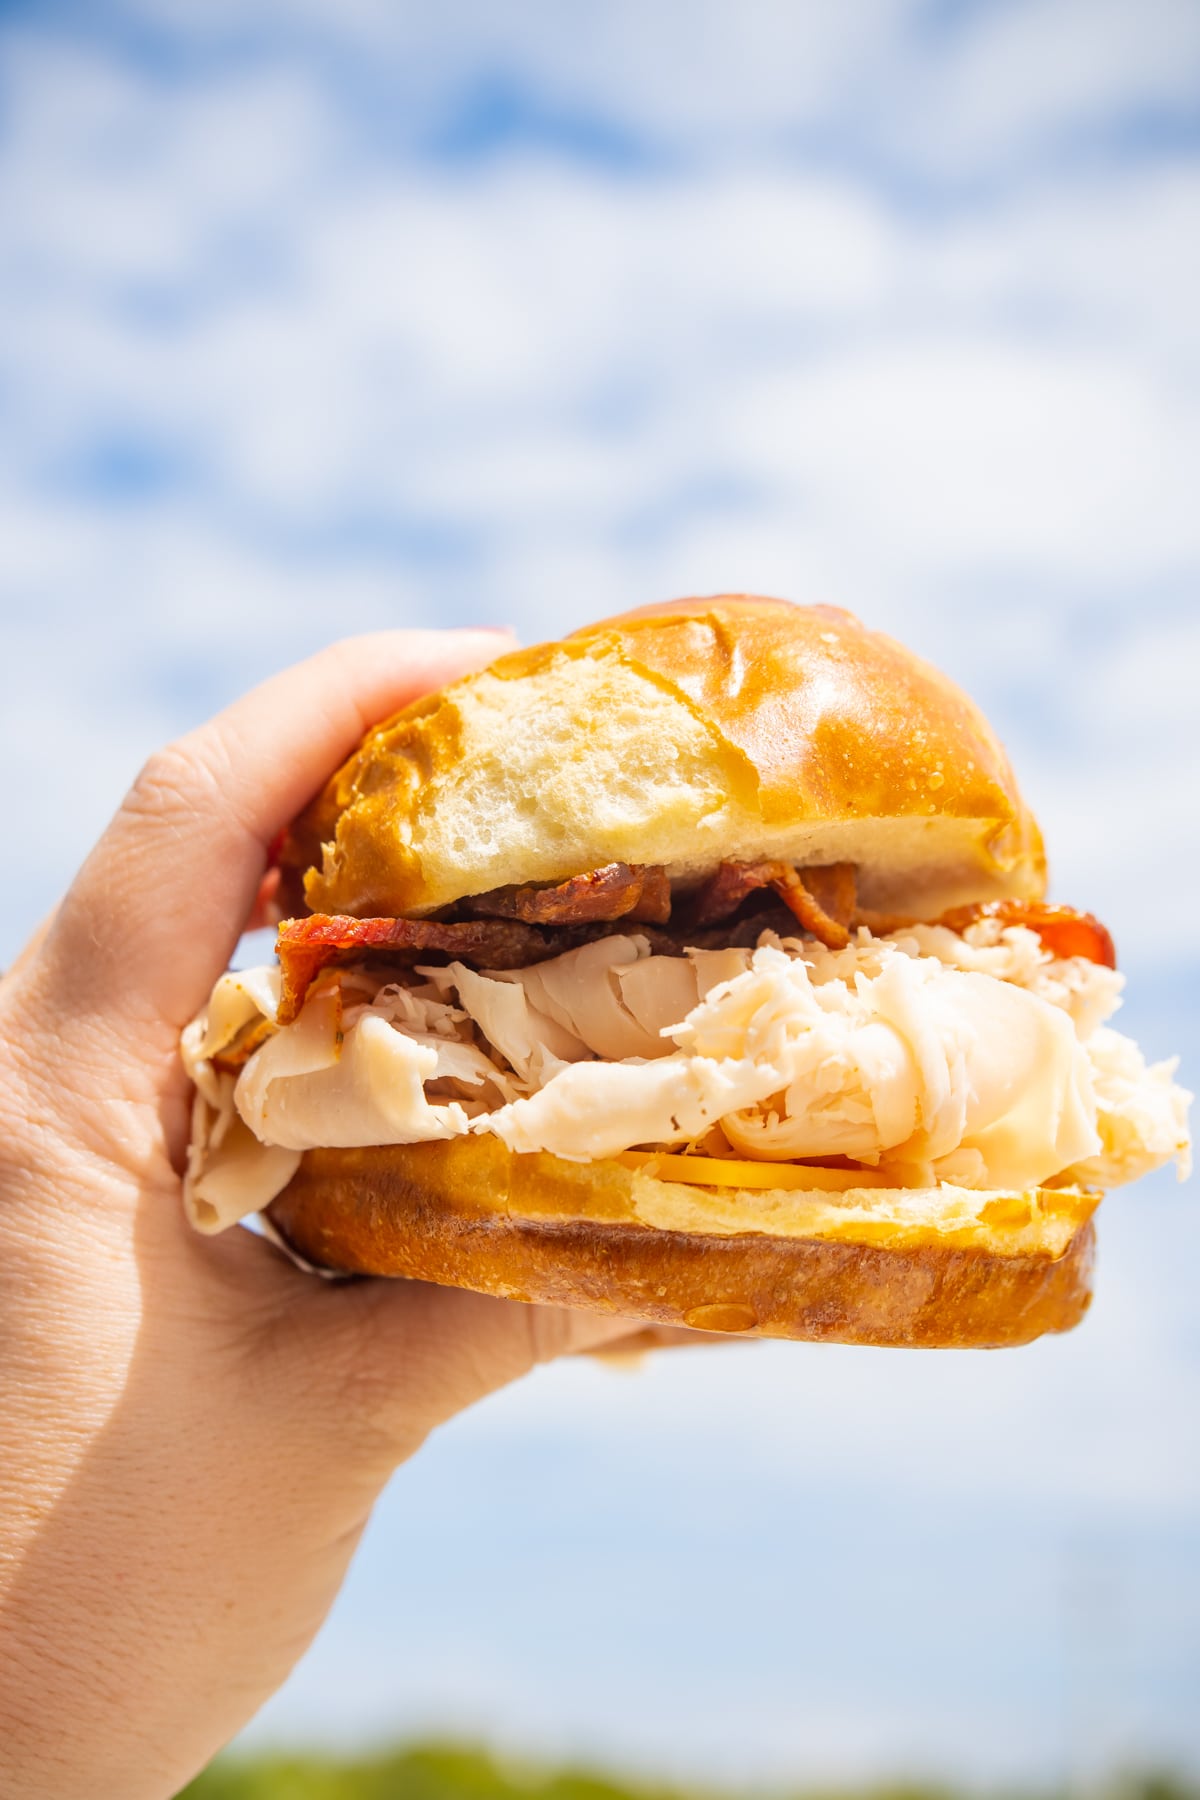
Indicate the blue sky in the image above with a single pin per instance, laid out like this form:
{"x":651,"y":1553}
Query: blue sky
{"x":318,"y":316}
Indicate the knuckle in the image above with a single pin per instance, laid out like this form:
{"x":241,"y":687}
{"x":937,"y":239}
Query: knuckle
{"x":171,"y":784}
{"x":163,"y":784}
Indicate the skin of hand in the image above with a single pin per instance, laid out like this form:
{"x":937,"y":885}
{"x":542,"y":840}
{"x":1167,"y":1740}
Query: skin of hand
{"x":192,"y":1431}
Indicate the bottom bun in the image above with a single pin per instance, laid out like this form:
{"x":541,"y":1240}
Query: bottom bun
{"x":933,"y":1268}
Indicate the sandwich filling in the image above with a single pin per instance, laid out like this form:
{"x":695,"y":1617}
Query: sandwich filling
{"x":977,"y":1057}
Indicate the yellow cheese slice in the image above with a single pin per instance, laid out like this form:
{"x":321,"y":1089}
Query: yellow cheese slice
{"x":715,"y":1171}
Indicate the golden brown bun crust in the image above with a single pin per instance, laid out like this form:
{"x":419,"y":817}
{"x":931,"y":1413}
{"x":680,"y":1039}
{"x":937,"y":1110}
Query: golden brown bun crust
{"x":471,"y":1214}
{"x":732,"y":727}
{"x":836,"y":719}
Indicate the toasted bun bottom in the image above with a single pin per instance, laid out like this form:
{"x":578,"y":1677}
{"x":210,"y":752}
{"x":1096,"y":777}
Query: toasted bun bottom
{"x":928,"y":1268}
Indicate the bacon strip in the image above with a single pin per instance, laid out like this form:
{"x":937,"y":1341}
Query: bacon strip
{"x":724,"y":892}
{"x":834,"y":887}
{"x":654,"y":903}
{"x":1063,"y":929}
{"x":821,"y":899}
{"x":616,"y":891}
{"x":808,"y":910}
{"x":306,"y":946}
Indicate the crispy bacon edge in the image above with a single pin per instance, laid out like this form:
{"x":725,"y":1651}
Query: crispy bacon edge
{"x":821,"y":899}
{"x":633,"y":891}
{"x":306,"y":946}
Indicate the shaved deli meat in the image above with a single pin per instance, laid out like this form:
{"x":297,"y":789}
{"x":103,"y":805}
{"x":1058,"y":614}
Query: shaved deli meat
{"x":534,"y":1044}
{"x":599,"y":1108}
{"x":583,"y":992}
{"x":913,"y":1064}
{"x":243,"y":1003}
{"x":1089,"y":992}
{"x":659,"y":990}
{"x":1141,"y":1114}
{"x":331,"y":1081}
{"x":230,"y":1172}
{"x":613,"y":998}
{"x":926,"y":1056}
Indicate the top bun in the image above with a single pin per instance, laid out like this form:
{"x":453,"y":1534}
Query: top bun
{"x":733,"y":728}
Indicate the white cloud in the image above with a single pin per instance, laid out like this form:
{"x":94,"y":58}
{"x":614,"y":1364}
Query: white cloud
{"x":113,"y":176}
{"x":956,"y":455}
{"x":1110,"y":259}
{"x":988,"y":92}
{"x":1023,"y":79}
{"x":712,"y":70}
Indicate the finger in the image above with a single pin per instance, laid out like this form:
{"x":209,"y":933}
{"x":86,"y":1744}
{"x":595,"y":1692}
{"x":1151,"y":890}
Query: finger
{"x":158,"y":906}
{"x":399,"y":1358}
{"x":380,"y":1364}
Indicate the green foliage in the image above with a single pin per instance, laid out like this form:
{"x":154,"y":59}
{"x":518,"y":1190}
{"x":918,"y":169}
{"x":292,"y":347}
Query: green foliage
{"x":455,"y":1772}
{"x":423,"y":1772}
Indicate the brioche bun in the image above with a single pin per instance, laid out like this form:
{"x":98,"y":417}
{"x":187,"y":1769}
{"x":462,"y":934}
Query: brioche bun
{"x":936,"y":1269}
{"x":733,"y":728}
{"x":729,"y":728}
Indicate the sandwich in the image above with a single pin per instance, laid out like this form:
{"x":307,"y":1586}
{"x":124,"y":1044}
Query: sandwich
{"x":696,"y":968}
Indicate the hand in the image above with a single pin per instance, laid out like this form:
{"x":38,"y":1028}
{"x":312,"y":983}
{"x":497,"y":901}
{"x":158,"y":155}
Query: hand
{"x":192,"y":1432}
